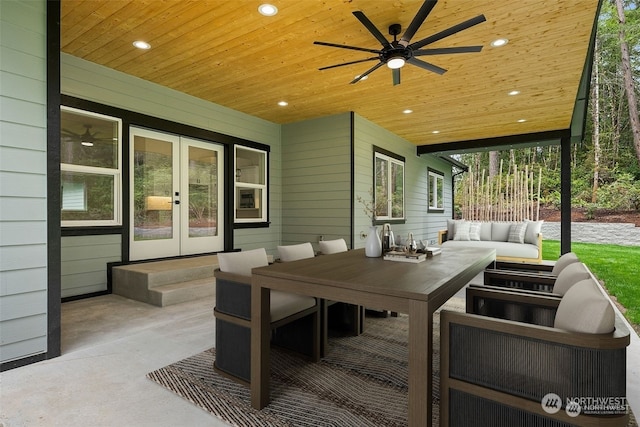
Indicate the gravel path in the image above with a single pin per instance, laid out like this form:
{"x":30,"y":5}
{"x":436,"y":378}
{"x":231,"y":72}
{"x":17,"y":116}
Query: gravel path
{"x":596,"y":232}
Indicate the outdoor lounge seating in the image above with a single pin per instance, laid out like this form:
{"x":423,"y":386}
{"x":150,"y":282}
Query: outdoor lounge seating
{"x":513,"y":241}
{"x":538,"y":268}
{"x":501,"y":372}
{"x":295,"y":319}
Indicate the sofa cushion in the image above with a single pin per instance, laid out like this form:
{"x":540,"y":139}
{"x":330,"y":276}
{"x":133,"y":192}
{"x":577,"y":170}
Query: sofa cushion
{"x":485,"y":230}
{"x":242,"y":262}
{"x":569,"y":276}
{"x":564,"y":261}
{"x":503,"y":249}
{"x":462,"y":231}
{"x":584,"y":308}
{"x":474,"y":231}
{"x":516,"y":232}
{"x":533,"y":229}
{"x":296,"y":252}
{"x":500,"y":231}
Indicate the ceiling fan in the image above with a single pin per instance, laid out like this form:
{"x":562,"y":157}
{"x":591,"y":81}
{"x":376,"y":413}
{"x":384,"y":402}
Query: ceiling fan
{"x":87,"y":138}
{"x":398,"y":52}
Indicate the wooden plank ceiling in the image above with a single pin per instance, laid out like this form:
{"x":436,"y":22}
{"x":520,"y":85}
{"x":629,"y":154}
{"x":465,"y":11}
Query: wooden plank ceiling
{"x":227,"y":53}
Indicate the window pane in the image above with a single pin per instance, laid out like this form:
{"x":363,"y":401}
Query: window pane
{"x":382,"y":188}
{"x":397,"y":187}
{"x":88,"y":140}
{"x":440,"y":192}
{"x":432,"y":188}
{"x":203,"y":192}
{"x":87,"y":197}
{"x":250,"y":166}
{"x":250,"y":203}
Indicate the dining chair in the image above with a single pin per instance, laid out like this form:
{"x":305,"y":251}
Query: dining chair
{"x":295,"y":319}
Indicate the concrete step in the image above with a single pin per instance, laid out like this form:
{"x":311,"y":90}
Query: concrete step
{"x":177,"y":293}
{"x":137,"y":281}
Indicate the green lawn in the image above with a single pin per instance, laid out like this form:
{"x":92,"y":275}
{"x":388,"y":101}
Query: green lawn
{"x":617,"y":266}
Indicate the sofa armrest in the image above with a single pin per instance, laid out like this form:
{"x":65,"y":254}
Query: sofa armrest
{"x":442,"y":236}
{"x":519,"y":280}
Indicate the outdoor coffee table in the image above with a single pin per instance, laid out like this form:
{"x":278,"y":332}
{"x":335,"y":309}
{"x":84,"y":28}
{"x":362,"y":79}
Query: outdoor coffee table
{"x":415,"y":289}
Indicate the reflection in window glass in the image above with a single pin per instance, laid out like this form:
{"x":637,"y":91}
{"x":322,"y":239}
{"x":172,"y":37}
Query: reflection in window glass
{"x":203,"y":192}
{"x":87,"y":197}
{"x":90,"y":168}
{"x":251,"y":188}
{"x":389,"y":185}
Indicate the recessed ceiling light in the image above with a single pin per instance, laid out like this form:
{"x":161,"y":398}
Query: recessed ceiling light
{"x":514,"y":92}
{"x":364,"y":78}
{"x":522,"y":120}
{"x":407,"y":111}
{"x":499,"y":42}
{"x":141,"y":44}
{"x":267,"y":9}
{"x":435,"y":131}
{"x":283,"y":103}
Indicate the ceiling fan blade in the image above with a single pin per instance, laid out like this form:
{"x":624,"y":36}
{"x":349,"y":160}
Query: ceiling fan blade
{"x":70,"y":133}
{"x":349,"y":63}
{"x":427,"y":66}
{"x":372,"y":28}
{"x":447,"y":50}
{"x":422,"y":14}
{"x":448,"y":32}
{"x":343,"y":46}
{"x":366,"y":73}
{"x":396,"y":76}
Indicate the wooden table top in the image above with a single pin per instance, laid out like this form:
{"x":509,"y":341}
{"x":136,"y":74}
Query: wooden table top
{"x":353,"y":270}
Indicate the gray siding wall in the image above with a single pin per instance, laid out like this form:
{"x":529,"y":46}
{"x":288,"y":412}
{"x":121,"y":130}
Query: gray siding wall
{"x":84,"y":263}
{"x":423,"y":225}
{"x":86,"y":80}
{"x":316,"y":180}
{"x":23,"y":180}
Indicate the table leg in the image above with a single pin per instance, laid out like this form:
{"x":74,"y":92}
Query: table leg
{"x":420,"y":364}
{"x":260,"y":348}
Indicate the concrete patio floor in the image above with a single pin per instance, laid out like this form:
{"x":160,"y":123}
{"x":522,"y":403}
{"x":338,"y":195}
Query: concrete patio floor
{"x":109,"y":344}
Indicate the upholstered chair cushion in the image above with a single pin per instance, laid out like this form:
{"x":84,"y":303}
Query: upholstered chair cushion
{"x":242,"y":262}
{"x":584,"y":308}
{"x":569,"y":276}
{"x":564,"y":261}
{"x":295,"y":252}
{"x":333,"y":246}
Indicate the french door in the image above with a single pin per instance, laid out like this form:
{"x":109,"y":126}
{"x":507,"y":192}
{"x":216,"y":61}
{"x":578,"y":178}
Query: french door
{"x":176,"y":200}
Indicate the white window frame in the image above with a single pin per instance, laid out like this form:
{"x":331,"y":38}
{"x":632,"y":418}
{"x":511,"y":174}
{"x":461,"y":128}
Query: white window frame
{"x":115,"y":173}
{"x":390,"y":160}
{"x":432,"y":188}
{"x":245,"y":185}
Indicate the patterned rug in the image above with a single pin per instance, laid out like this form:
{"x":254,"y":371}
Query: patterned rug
{"x":362,"y":382}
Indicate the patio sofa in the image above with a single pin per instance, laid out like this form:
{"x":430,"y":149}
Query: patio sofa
{"x":519,"y":241}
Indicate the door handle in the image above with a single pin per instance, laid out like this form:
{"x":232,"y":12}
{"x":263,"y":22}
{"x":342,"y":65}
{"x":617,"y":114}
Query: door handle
{"x":177,"y":202}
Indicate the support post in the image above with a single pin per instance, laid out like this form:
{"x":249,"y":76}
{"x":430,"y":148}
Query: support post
{"x":565,"y":195}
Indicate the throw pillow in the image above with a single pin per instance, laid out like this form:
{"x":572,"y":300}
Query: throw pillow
{"x":462,"y":231}
{"x":516,"y":232}
{"x":500,"y":231}
{"x":474,"y":231}
{"x":585,"y":309}
{"x":485,"y":231}
{"x":451,"y":228}
{"x":533,"y":229}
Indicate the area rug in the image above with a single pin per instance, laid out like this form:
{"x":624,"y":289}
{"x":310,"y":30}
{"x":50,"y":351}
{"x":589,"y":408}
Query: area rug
{"x":362,"y":382}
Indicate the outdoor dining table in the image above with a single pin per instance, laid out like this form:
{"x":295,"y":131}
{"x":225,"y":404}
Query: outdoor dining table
{"x":416,"y":289}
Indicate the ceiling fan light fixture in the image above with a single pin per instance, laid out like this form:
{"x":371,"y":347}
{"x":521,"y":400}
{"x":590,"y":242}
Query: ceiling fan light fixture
{"x":87,"y":143}
{"x":267,"y":9}
{"x":395,"y":63}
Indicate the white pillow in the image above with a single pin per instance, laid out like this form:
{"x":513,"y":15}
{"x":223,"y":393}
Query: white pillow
{"x":474,"y":231}
{"x":333,"y":246}
{"x":585,"y":309}
{"x":533,"y":229}
{"x":451,"y":228}
{"x":462,"y":231}
{"x":296,"y":252}
{"x":242,"y":262}
{"x":569,"y":276}
{"x":500,"y":231}
{"x":516,"y":232}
